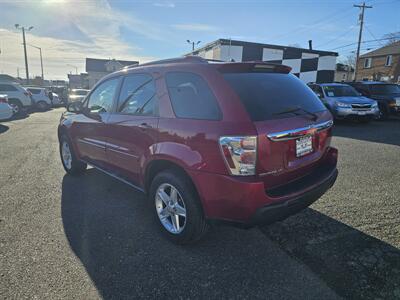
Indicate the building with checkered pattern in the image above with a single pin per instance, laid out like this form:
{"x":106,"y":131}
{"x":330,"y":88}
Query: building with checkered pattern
{"x":307,"y":64}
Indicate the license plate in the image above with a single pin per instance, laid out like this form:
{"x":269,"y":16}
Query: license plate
{"x":304,"y":146}
{"x":362,"y":113}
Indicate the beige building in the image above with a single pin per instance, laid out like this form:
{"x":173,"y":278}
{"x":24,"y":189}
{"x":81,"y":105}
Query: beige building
{"x":382,"y":64}
{"x":344,"y":73}
{"x":98,"y":68}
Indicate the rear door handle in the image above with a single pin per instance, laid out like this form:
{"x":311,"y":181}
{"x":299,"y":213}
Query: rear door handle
{"x":144,"y":126}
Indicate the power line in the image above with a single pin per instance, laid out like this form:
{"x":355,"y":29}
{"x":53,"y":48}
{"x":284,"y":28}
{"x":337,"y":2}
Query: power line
{"x":373,"y":36}
{"x":363,"y":42}
{"x":335,"y":39}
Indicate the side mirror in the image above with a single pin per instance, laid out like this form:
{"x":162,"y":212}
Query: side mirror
{"x":319,"y":95}
{"x":75,"y":107}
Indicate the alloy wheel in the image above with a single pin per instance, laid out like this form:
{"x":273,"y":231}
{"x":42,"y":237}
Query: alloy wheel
{"x":66,"y":155}
{"x":170,"y":208}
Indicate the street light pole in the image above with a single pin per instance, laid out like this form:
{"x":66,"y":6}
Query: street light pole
{"x":193,"y":43}
{"x":25,"y":53}
{"x":76,"y":68}
{"x":41,"y":59}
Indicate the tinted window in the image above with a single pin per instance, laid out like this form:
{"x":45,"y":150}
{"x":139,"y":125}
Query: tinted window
{"x":7,"y":87}
{"x":34,"y":91}
{"x":138,"y":95}
{"x":191,"y":97}
{"x":101,"y":100}
{"x":267,"y":95}
{"x":340,"y":91}
{"x":383,"y":89}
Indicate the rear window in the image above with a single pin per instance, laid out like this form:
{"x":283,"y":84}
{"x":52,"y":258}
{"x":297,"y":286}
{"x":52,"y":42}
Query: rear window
{"x":267,"y":95}
{"x":384,"y":89}
{"x":191,"y":97}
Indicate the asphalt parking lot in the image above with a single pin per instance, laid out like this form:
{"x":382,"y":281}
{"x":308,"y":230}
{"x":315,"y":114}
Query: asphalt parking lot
{"x":93,"y":237}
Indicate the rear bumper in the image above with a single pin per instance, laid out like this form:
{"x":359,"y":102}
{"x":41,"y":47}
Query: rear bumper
{"x":245,"y":201}
{"x":280,"y":211}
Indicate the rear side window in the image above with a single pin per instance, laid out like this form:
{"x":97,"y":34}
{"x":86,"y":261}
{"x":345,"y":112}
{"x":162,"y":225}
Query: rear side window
{"x":268,"y":95}
{"x":191,"y":97}
{"x":34,"y":91}
{"x":7,"y":88}
{"x":138,"y":96}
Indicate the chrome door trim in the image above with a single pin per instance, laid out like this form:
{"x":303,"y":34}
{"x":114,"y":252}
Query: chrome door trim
{"x":299,"y":132}
{"x":114,"y":176}
{"x":92,"y":142}
{"x":121,"y":152}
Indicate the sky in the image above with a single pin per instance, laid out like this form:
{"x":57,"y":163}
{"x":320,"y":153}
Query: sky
{"x":68,"y":31}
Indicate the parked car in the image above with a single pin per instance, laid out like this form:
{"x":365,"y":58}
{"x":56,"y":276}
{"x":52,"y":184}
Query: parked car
{"x":55,"y":99}
{"x":41,"y":98}
{"x":344,"y":102}
{"x":77,"y":95}
{"x":387,"y":95}
{"x":18,"y":97}
{"x":244,"y":143}
{"x":6,"y":111}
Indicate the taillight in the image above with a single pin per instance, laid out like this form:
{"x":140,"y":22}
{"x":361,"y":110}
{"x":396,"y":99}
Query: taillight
{"x":240,"y":154}
{"x":3,"y":99}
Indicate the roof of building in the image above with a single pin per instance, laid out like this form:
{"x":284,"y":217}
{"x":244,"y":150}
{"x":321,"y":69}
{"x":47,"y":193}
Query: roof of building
{"x":244,"y":43}
{"x":393,"y":48}
{"x":100,"y":65}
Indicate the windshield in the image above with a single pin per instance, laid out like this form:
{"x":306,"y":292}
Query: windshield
{"x":79,"y":92}
{"x":383,"y":89}
{"x":266,"y":95}
{"x":340,"y":91}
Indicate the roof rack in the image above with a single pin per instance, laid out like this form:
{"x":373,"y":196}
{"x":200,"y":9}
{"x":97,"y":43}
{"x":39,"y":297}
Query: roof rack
{"x":184,"y":59}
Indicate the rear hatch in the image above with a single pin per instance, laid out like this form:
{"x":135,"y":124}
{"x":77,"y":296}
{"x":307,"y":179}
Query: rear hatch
{"x":293,"y":126}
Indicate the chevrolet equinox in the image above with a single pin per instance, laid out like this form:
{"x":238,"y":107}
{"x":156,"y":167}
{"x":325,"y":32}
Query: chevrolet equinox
{"x":244,"y":143}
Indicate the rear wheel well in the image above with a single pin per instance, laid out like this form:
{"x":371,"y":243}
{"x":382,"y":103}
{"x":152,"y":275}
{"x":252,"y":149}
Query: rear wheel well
{"x":158,"y":166}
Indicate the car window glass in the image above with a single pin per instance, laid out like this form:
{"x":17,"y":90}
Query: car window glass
{"x":268,"y":95}
{"x":34,"y":91}
{"x":191,"y":96}
{"x":101,"y":100}
{"x":138,"y":95}
{"x":7,"y":87}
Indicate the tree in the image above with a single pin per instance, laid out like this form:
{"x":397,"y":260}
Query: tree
{"x":392,"y":37}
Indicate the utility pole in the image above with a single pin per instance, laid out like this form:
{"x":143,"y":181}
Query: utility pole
{"x":361,"y":21}
{"x":25,"y":54}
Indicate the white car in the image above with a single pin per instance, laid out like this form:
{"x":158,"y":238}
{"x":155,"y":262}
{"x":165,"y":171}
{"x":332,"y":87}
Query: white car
{"x":18,"y":97}
{"x":6,"y":111}
{"x":77,"y":95}
{"x":40,"y":96}
{"x":56,"y":101}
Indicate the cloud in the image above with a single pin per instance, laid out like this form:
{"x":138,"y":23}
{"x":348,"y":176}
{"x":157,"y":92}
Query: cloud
{"x":164,"y":4}
{"x":98,"y":24}
{"x":195,"y":27}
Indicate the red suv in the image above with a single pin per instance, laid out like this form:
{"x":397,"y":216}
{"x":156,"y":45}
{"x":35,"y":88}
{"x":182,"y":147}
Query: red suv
{"x":243,"y":143}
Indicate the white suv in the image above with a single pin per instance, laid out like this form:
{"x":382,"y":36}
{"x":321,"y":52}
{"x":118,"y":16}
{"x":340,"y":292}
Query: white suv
{"x":40,"y":97}
{"x":18,"y":97}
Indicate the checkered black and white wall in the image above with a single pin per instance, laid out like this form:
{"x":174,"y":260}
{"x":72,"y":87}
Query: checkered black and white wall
{"x":308,"y":65}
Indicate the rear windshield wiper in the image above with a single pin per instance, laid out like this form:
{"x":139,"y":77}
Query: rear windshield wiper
{"x":294,"y":110}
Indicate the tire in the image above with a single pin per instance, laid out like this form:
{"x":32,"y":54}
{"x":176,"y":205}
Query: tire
{"x":16,"y":106}
{"x":42,"y":105}
{"x":193,"y":226}
{"x":72,"y":166}
{"x":383,"y":113}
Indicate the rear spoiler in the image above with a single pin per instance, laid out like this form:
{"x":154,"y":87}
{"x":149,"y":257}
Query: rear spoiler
{"x":253,"y":67}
